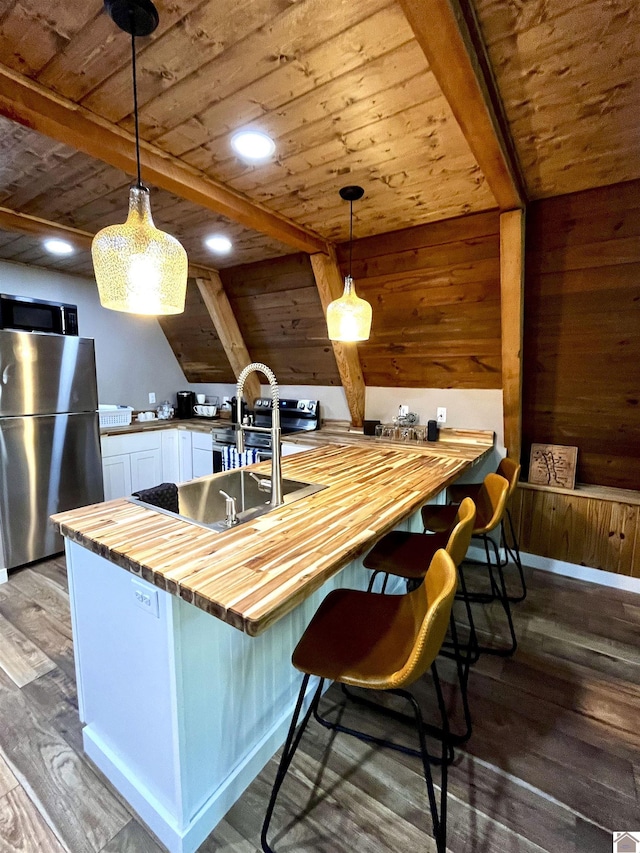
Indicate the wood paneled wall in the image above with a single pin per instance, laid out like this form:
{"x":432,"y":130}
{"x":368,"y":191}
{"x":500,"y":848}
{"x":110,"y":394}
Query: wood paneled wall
{"x":277,"y":306}
{"x":435,"y":292}
{"x":582,"y":331}
{"x":592,"y":527}
{"x":278,"y":310}
{"x":195,"y":342}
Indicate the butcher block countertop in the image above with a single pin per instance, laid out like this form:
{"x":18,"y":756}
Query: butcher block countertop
{"x":255,"y":573}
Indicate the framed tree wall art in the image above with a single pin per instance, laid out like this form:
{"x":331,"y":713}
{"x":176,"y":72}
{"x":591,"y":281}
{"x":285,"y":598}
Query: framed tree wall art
{"x":553,"y":465}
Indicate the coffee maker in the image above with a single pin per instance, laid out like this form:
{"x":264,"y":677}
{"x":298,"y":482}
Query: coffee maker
{"x":186,"y":400}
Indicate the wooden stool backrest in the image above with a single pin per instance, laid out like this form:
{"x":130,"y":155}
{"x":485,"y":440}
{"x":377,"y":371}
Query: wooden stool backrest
{"x":431,"y":603}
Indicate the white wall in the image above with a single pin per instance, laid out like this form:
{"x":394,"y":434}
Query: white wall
{"x":333,"y":402}
{"x":466,"y":408}
{"x":133,"y":356}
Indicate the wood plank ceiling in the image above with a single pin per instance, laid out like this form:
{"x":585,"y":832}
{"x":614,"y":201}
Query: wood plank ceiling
{"x":344,"y":89}
{"x":568,"y":72}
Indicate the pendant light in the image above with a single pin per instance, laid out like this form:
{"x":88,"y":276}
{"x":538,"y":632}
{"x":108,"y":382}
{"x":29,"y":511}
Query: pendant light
{"x":349,"y":318}
{"x":139,"y":269}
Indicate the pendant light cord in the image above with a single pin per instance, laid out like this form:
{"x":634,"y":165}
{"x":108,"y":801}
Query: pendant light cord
{"x":139,"y":183}
{"x":350,"y":232}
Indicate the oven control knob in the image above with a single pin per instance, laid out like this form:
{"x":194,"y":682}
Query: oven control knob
{"x":301,"y":404}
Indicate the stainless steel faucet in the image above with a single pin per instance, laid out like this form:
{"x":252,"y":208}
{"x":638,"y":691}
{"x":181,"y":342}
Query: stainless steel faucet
{"x":274,"y":430}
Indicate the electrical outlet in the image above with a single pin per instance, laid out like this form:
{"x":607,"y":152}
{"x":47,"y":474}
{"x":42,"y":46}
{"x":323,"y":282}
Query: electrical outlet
{"x":145,"y":598}
{"x":441,"y":415}
{"x":152,"y":396}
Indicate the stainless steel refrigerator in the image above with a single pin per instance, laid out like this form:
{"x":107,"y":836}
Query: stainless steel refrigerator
{"x":49,"y":439}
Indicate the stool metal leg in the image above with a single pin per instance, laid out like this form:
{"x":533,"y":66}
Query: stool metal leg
{"x":513,"y":551}
{"x":441,"y":839}
{"x":473,"y":644}
{"x":462,"y":667}
{"x":504,"y":599}
{"x":374,"y":576}
{"x":439,"y":825}
{"x":290,"y":746}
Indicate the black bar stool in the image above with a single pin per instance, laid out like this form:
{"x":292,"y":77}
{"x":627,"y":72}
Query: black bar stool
{"x":377,"y":642}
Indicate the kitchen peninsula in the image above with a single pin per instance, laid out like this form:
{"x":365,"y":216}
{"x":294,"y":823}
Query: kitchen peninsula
{"x":182,"y":710}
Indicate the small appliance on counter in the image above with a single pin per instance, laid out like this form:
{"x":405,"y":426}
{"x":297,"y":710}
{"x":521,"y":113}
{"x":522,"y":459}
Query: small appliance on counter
{"x":186,"y":400}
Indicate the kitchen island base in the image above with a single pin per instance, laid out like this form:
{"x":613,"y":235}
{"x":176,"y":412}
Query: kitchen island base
{"x":181,"y":711}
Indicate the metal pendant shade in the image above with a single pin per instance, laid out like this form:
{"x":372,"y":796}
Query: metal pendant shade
{"x":349,"y":317}
{"x":139,"y":269}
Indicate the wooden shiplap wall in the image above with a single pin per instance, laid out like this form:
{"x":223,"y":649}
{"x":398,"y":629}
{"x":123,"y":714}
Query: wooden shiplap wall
{"x":582,"y":331}
{"x":277,"y":306}
{"x":435,"y":293}
{"x":598,"y":528}
{"x":195,"y":342}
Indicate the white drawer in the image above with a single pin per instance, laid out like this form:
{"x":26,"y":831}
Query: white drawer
{"x":201,"y":440}
{"x":114,"y":445}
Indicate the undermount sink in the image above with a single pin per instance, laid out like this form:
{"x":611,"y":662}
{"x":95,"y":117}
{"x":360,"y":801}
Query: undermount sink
{"x":200,"y":501}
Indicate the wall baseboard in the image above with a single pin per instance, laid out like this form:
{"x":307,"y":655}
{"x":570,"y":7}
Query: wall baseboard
{"x":583,"y":573}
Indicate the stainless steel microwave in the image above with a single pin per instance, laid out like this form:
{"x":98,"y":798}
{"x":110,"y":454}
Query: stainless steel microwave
{"x":37,"y":315}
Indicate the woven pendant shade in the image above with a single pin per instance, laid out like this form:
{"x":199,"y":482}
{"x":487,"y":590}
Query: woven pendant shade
{"x":139,"y":269}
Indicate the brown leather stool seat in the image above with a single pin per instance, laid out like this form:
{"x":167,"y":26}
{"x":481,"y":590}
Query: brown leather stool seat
{"x":510,"y":470}
{"x":405,"y":554}
{"x":378,"y":642}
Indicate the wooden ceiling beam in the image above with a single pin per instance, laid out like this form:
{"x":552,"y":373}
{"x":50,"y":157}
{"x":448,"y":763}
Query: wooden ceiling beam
{"x":512,"y":241}
{"x":24,"y":223}
{"x":217,"y":304}
{"x":330,"y":286}
{"x":26,"y":102}
{"x":449,"y":34}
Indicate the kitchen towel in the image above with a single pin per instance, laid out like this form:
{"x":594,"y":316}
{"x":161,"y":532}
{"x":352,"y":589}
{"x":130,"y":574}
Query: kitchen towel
{"x":232,"y":459}
{"x":164,"y":496}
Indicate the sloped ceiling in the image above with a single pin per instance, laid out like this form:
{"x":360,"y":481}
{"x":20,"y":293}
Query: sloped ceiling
{"x":568,"y":73}
{"x":345,"y":91}
{"x":342,"y":87}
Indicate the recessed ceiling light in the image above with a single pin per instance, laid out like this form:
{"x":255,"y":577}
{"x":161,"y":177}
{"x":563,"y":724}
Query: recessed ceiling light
{"x":58,"y":247}
{"x":252,"y":145}
{"x":219,"y":244}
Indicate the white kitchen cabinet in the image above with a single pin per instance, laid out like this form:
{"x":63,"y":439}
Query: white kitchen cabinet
{"x":201,"y":454}
{"x":185,"y":458}
{"x":171,"y":472}
{"x":144,"y":459}
{"x":131,"y":462}
{"x":146,"y":469}
{"x":116,"y":476}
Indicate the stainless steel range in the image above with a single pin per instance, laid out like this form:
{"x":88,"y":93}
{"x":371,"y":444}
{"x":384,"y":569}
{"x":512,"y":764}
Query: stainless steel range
{"x":295,"y":416}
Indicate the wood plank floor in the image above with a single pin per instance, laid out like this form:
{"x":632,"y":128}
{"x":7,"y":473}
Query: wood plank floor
{"x":553,"y":764}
